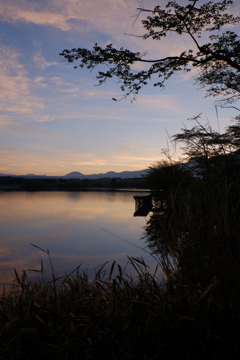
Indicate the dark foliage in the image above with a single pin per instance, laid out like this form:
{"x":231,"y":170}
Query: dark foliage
{"x":9,"y":182}
{"x":217,"y":58}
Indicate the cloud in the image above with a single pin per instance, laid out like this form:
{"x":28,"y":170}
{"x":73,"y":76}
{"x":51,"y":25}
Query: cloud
{"x":56,"y":80}
{"x":21,"y":97}
{"x":92,"y":17}
{"x":41,"y":62}
{"x":114,"y":18}
{"x":61,"y":14}
{"x":29,"y":12}
{"x":39,"y":80}
{"x":5,"y":120}
{"x":144,"y":109}
{"x":171,"y":104}
{"x":45,"y":118}
{"x":15,"y":85}
{"x":59,"y":161}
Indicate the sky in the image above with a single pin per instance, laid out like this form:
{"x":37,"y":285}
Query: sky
{"x":54,"y":119}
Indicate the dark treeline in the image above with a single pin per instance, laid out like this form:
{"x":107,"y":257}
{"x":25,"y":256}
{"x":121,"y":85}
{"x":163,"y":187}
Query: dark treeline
{"x":20,"y":183}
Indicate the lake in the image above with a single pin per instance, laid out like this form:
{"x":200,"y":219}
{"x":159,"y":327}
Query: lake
{"x":85,"y":227}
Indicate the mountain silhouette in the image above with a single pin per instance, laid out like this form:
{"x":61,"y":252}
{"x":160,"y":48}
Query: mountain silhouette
{"x":109,"y":174}
{"x":79,"y":175}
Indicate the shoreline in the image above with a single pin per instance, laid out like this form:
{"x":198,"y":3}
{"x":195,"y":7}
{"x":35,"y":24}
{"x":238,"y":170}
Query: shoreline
{"x":18,"y":188}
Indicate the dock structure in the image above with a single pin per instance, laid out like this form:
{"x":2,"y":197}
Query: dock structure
{"x":143,"y":204}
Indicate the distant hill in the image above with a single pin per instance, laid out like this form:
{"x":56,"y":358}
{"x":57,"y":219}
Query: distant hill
{"x":109,"y":174}
{"x":74,"y":175}
{"x":78,"y":175}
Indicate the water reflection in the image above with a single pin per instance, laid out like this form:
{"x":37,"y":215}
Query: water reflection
{"x":164,"y":240}
{"x":73,"y":195}
{"x":70,"y":225}
{"x":154,"y":234}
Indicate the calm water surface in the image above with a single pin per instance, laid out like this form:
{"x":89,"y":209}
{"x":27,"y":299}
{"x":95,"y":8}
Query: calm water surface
{"x":87,"y":228}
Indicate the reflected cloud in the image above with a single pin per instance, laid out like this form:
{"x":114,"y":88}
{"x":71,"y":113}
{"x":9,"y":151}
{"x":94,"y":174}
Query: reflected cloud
{"x":60,"y":207}
{"x":87,"y":228}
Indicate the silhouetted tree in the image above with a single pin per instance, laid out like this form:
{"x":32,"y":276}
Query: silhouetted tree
{"x":216,"y":57}
{"x":210,"y":153}
{"x":164,"y":177}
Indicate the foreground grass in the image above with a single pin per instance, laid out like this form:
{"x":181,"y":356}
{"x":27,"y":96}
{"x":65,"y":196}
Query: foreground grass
{"x":115,"y":317}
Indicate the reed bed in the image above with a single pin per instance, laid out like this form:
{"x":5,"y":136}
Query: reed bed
{"x":114,"y":317}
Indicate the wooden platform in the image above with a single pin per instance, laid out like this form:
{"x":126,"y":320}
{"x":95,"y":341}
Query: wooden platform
{"x":143,"y":204}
